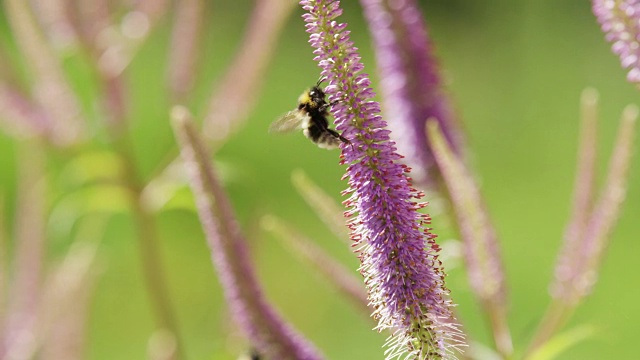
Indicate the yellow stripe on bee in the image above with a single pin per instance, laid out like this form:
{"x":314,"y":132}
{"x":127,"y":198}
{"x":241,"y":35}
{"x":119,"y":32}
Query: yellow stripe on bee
{"x":305,"y":98}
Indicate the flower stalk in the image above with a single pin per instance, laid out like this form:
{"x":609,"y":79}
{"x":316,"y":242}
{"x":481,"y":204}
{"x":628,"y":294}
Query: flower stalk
{"x":312,"y":255}
{"x":20,"y":330}
{"x":324,"y":206}
{"x":66,"y":302}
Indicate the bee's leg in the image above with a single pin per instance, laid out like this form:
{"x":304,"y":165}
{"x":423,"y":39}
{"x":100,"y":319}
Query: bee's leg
{"x":338,"y":136}
{"x":324,"y":107}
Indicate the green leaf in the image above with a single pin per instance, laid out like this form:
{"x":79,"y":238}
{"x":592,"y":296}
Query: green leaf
{"x":563,"y":341}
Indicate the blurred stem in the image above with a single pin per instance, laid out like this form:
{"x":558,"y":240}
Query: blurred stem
{"x":3,"y":268}
{"x":339,"y":276}
{"x":554,"y":319}
{"x":185,"y":47}
{"x":323,"y":205}
{"x":149,"y":250}
{"x":20,"y":327}
{"x":500,"y":331}
{"x":115,"y":104}
{"x":150,"y":254}
{"x":67,"y":294}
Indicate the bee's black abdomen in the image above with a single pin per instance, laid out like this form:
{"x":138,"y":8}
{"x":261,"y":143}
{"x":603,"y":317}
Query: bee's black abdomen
{"x":315,"y":129}
{"x":321,"y":135}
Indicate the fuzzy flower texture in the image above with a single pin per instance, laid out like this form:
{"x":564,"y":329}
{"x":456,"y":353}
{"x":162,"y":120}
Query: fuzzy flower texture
{"x":620,"y":21}
{"x":403,"y":275}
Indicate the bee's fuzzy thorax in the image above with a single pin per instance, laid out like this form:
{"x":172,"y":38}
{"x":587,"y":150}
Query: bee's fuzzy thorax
{"x":305,"y":98}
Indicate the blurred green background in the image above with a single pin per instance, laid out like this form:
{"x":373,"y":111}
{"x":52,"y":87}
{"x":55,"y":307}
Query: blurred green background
{"x":515,"y":71}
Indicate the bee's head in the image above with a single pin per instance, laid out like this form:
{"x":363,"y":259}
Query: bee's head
{"x":317,"y":95}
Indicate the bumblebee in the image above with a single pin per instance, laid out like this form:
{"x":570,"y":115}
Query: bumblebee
{"x":311,"y":117}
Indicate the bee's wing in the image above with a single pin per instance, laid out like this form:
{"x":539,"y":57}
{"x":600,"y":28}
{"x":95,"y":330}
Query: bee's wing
{"x":328,"y":140}
{"x":289,"y":122}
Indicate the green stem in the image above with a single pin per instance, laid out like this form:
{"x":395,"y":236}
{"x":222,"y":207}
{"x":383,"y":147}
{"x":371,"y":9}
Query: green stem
{"x":554,"y":319}
{"x":497,"y":319}
{"x":150,"y":254}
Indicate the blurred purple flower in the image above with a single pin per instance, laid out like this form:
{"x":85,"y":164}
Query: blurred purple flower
{"x":185,"y":47}
{"x":234,"y":97}
{"x":592,"y":221}
{"x":481,"y":249}
{"x":410,"y":82}
{"x":403,"y":275}
{"x":50,"y":88}
{"x":20,"y":116}
{"x":266,"y":329}
{"x":620,"y":21}
{"x":20,"y":319}
{"x":578,"y":266}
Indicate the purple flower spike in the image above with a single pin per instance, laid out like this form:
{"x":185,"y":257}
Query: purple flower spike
{"x":411,"y":85}
{"x":403,"y":275}
{"x":620,"y":21}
